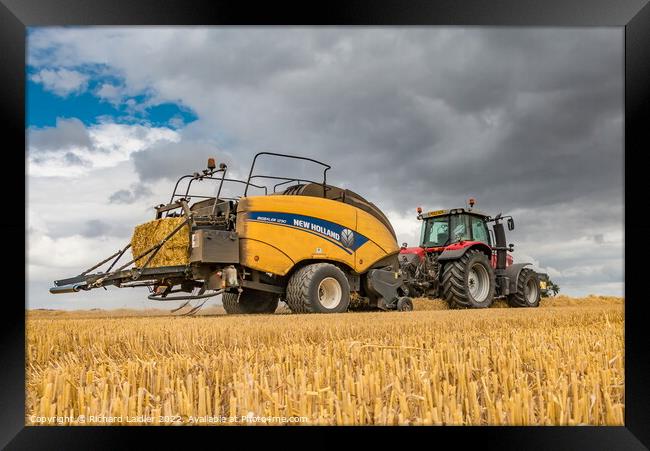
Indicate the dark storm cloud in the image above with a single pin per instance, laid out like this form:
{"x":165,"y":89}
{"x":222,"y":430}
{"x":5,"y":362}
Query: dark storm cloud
{"x":73,"y":160}
{"x":536,"y":121}
{"x":436,"y":113}
{"x":95,"y":228}
{"x":403,"y":113}
{"x":68,"y":133}
{"x":516,"y":117}
{"x":172,"y":160}
{"x":129,"y":196}
{"x":556,"y":101}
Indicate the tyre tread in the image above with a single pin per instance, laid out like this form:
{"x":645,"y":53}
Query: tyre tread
{"x":518,"y":299}
{"x":453,"y":281}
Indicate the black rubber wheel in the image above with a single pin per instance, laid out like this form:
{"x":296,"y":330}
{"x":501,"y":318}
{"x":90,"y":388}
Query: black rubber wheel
{"x":469,"y":282}
{"x":250,"y":301}
{"x":528,"y":292}
{"x":318,"y":288}
{"x":404,"y":304}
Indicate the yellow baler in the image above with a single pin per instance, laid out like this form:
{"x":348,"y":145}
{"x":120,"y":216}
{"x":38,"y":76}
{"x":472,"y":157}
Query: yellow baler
{"x":317,"y":247}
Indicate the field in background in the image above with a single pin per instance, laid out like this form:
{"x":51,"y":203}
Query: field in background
{"x":559,"y":364}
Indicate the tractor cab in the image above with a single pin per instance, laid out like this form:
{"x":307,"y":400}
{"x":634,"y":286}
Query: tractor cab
{"x":462,"y":256}
{"x":456,"y":228}
{"x":441,"y":228}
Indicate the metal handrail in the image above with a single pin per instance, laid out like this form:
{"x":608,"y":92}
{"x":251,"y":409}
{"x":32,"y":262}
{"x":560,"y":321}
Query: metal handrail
{"x":197,"y":177}
{"x":275,"y":187}
{"x":250,"y":173}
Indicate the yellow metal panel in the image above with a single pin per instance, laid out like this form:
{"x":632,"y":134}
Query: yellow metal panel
{"x":263,"y":257}
{"x":318,"y":207}
{"x":366,"y":256}
{"x":370,"y":226}
{"x":296,"y":244}
{"x":283,"y":231}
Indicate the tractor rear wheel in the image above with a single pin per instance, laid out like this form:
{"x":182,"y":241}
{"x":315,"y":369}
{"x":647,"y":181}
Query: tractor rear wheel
{"x":528,"y":291}
{"x":318,"y":288}
{"x":250,"y":301}
{"x":469,"y":281}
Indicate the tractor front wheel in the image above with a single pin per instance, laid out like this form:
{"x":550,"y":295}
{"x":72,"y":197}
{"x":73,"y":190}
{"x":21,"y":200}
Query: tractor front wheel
{"x":528,"y":291}
{"x":469,"y":281}
{"x":250,"y":301}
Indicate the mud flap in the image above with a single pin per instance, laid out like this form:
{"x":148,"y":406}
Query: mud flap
{"x":384,"y":285}
{"x":512,"y":273}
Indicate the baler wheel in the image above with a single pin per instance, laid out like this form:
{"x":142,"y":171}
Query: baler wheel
{"x":250,"y":301}
{"x":318,"y":288}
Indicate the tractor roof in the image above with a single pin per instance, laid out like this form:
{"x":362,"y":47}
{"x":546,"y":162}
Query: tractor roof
{"x":431,"y":214}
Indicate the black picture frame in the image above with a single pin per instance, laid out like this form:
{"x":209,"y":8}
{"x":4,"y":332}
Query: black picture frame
{"x":633,"y":15}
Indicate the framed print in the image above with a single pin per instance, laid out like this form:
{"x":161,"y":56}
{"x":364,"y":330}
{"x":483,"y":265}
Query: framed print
{"x":357,"y":214}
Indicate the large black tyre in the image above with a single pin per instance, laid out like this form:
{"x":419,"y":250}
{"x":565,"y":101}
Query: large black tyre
{"x":528,"y":292}
{"x":469,"y":281}
{"x":250,"y":301}
{"x":318,"y":288}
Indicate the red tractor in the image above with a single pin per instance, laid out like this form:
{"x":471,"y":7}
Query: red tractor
{"x":460,"y":259}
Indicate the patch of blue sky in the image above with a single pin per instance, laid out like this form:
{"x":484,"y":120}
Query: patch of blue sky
{"x":44,"y":106}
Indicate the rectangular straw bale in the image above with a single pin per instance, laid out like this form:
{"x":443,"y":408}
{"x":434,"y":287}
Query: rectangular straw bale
{"x":176,"y":250}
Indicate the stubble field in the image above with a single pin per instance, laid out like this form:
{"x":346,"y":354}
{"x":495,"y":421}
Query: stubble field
{"x":560,"y":364}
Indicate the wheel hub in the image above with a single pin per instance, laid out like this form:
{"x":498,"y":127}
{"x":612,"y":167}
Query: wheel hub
{"x":330,"y":293}
{"x":531,"y":291}
{"x":478,"y":282}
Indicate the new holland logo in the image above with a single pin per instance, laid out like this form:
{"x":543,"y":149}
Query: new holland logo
{"x":347,"y":237}
{"x":335,"y":233}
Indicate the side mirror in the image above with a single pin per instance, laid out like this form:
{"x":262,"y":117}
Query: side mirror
{"x":511,"y":224}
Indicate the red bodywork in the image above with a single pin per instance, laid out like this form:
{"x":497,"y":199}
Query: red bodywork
{"x":420,"y":251}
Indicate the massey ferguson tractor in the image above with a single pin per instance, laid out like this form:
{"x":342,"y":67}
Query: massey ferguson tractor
{"x":464,"y":261}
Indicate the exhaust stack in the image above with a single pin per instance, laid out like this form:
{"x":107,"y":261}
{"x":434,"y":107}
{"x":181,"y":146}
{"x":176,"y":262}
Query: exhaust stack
{"x":500,"y":237}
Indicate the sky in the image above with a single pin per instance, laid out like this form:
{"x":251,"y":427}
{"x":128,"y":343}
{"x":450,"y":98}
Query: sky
{"x":529,"y":121}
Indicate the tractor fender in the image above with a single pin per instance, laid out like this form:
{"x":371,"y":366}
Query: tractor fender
{"x":512,"y":273}
{"x":454,"y":252}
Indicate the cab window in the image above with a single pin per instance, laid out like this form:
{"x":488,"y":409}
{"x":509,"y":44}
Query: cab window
{"x":479,"y":230}
{"x":460,"y":230}
{"x":435,"y":232}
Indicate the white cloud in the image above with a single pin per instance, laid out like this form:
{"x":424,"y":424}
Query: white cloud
{"x":55,"y":258}
{"x":177,"y":121}
{"x":407,"y":227}
{"x":61,"y":82}
{"x":61,"y":209}
{"x":110,"y":145}
{"x":110,"y":92}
